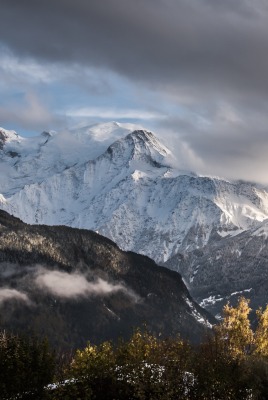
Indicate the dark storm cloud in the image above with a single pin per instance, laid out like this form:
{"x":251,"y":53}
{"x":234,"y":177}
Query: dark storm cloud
{"x":221,"y":45}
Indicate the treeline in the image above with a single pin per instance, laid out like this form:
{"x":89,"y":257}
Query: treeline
{"x":27,"y":365}
{"x":231,"y":364}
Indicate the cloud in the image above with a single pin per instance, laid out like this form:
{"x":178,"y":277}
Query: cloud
{"x":16,"y":70}
{"x":30,"y":113}
{"x":204,"y":62}
{"x":227,"y":144}
{"x":71,"y":286}
{"x":7,"y":294}
{"x":23,"y":72}
{"x":113,"y":113}
{"x":162,"y":41}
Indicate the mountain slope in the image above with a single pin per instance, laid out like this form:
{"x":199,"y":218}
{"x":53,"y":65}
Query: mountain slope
{"x":27,"y":161}
{"x":74,"y":285}
{"x":228,"y":268}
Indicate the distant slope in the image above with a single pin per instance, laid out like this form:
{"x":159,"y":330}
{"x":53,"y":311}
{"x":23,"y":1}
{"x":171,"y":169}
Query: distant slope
{"x":228,"y":268}
{"x":74,"y":285}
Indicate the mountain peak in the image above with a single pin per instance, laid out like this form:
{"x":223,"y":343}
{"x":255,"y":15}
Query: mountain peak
{"x":141,"y":136}
{"x":139,"y":149}
{"x":146,"y":147}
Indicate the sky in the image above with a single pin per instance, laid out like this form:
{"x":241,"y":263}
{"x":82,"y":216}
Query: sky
{"x":195,"y":72}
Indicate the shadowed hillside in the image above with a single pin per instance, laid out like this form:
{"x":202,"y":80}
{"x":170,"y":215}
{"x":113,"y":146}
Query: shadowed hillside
{"x":73,"y":285}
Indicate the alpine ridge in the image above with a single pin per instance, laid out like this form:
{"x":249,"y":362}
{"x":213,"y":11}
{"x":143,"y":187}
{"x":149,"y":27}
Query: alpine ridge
{"x":124,"y":183}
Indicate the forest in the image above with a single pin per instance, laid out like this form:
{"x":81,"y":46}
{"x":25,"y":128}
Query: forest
{"x":230,"y":363}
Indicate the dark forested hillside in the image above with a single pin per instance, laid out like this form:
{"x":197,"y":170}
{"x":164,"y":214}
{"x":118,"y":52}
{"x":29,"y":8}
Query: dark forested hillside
{"x":74,"y":285}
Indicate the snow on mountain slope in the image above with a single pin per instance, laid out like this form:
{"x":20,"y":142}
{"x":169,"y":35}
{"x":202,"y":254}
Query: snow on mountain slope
{"x":129,"y":193}
{"x":26,"y":161}
{"x":225,"y":269}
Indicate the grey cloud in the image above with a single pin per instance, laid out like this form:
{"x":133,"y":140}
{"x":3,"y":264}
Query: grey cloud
{"x":229,"y":144}
{"x":159,"y":41}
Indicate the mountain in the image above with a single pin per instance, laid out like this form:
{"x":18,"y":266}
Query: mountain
{"x":27,"y":161}
{"x":75,"y":285}
{"x":131,"y":192}
{"x":228,"y":268}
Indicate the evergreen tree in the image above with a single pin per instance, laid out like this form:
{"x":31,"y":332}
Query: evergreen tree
{"x":26,"y":367}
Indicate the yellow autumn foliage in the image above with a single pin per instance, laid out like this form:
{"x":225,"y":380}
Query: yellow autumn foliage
{"x":261,"y":334}
{"x":235,"y":332}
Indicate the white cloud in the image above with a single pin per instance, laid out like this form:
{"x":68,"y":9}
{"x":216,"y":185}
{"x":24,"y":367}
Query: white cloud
{"x":25,"y":71}
{"x":113,"y":113}
{"x":65,"y":285}
{"x":7,"y":294}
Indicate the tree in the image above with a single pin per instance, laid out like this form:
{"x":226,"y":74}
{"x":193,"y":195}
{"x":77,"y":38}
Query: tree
{"x":26,"y":366}
{"x":261,"y":333}
{"x":142,"y":368}
{"x":219,"y":375}
{"x":235,"y":331}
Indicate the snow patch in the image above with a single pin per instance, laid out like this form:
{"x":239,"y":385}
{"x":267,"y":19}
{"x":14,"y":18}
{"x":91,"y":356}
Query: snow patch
{"x":240,"y":292}
{"x":211,"y":300}
{"x":196,"y":314}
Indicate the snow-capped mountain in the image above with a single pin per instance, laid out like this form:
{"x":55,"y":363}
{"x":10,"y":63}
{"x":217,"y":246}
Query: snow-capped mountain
{"x":26,"y":161}
{"x":130,"y":192}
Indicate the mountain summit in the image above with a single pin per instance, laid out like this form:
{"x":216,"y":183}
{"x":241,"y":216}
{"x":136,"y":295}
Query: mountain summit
{"x":140,"y":147}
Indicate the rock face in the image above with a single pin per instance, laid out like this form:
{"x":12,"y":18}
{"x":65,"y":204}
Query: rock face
{"x":228,"y":268}
{"x":131,"y":193}
{"x":75,"y":285}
